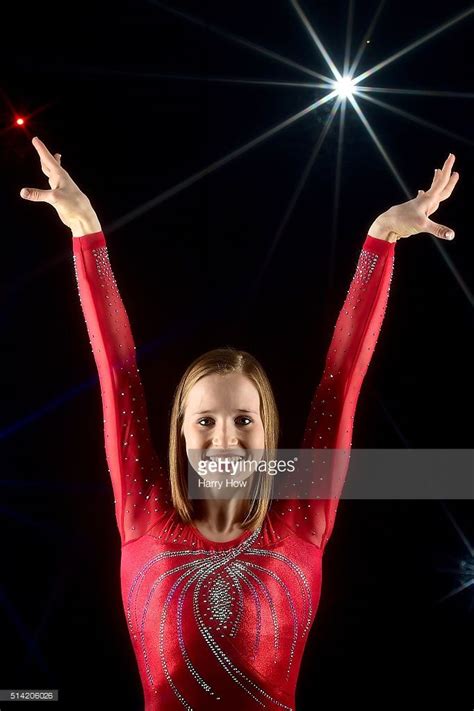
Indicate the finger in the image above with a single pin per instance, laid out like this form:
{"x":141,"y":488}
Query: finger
{"x":445,"y":173}
{"x":441,"y":176}
{"x":426,"y":200}
{"x":449,"y":161}
{"x":48,"y":161}
{"x":57,"y":157}
{"x":450,"y":186}
{"x":36,"y":195}
{"x":435,"y":179}
{"x":440,"y":231}
{"x":436,"y":195}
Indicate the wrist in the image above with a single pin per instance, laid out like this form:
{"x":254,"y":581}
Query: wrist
{"x":85,"y":224}
{"x":381,"y":230}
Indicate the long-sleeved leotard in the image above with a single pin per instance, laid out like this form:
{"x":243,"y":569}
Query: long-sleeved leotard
{"x":221,"y":625}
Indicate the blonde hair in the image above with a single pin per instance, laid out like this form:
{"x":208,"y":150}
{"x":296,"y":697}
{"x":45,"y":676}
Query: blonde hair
{"x":223,"y":361}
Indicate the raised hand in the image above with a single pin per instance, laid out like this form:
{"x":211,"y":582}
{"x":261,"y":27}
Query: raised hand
{"x":412,"y":217}
{"x":72,"y":205}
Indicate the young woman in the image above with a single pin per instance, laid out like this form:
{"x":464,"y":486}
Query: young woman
{"x":220,"y":594}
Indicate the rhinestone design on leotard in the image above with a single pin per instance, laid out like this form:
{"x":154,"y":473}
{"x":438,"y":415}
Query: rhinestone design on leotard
{"x":214,"y":580}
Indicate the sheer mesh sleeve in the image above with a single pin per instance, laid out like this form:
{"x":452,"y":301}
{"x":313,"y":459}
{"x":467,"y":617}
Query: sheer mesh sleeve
{"x":140,"y":484}
{"x":330,"y":421}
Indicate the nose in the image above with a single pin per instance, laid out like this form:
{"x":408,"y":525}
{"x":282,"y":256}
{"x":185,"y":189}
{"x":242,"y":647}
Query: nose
{"x":224,"y":436}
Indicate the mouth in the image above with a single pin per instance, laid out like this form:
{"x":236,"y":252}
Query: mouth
{"x":235,"y":458}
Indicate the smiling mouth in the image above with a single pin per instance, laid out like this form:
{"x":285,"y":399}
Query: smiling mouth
{"x":236,"y":458}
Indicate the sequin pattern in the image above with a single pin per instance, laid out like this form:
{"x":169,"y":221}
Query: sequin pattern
{"x":213,"y":579}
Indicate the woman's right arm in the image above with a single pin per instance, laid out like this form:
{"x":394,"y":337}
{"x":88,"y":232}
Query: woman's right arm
{"x":140,"y":484}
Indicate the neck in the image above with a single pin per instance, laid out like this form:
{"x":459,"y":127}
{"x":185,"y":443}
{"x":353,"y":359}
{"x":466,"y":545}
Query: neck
{"x":221,"y":517}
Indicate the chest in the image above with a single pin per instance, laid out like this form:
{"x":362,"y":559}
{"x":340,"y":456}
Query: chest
{"x":242,"y":593}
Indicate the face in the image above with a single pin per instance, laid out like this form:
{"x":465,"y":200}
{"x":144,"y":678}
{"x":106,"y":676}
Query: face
{"x":222,"y":415}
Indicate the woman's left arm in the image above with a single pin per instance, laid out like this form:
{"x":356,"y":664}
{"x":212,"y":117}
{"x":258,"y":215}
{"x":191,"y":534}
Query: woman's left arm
{"x":330,"y":421}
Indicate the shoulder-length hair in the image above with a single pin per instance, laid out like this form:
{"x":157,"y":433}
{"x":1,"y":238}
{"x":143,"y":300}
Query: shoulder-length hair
{"x":223,"y":361}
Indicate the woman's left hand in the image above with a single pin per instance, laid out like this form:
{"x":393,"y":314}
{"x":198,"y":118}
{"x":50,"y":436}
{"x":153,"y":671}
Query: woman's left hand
{"x":411,"y":217}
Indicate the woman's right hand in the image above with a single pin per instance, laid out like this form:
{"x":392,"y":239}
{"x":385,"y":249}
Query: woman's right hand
{"x":71,"y":204}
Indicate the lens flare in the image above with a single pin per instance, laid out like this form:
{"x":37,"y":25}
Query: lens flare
{"x":344,"y":86}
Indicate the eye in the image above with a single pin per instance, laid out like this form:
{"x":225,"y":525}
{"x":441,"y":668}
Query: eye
{"x":242,"y":417}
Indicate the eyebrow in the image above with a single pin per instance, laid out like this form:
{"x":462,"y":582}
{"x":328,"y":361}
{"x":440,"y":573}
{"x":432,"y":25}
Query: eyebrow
{"x":209,"y":412}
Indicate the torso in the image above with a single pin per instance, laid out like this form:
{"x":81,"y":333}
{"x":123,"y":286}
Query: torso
{"x":219,"y":624}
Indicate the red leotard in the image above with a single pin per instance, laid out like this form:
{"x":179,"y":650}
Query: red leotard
{"x":220,"y":625}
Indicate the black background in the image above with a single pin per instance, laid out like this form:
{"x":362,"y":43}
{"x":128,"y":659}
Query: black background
{"x":109,"y":85}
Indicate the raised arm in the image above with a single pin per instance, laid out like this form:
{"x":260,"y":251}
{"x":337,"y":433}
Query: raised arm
{"x":331,"y":419}
{"x":140,"y":484}
{"x":139,"y":481}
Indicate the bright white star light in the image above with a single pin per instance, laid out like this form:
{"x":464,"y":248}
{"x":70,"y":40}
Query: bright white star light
{"x":344,"y":86}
